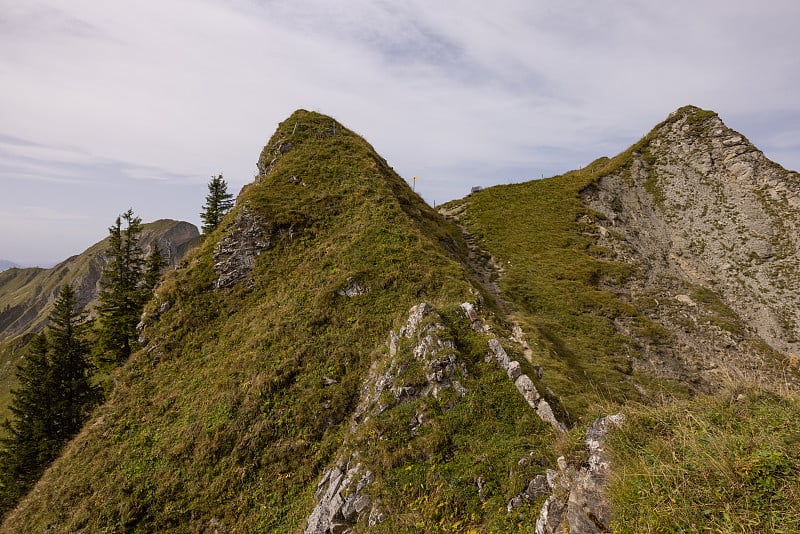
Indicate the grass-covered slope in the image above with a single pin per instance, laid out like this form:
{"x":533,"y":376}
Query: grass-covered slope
{"x":244,"y":393}
{"x":538,"y":233}
{"x":724,"y":463}
{"x":683,"y":462}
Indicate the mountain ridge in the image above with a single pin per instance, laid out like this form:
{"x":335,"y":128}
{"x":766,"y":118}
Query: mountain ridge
{"x":337,"y":357}
{"x":6,"y":264}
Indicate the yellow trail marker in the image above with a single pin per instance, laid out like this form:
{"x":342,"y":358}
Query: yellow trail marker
{"x":414,"y":183}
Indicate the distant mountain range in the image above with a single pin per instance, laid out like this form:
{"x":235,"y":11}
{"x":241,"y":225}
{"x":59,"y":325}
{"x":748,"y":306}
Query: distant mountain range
{"x":5,"y":264}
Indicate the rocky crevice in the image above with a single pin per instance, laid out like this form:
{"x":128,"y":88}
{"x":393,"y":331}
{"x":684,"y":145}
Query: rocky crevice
{"x":577,"y":503}
{"x":342,"y":494}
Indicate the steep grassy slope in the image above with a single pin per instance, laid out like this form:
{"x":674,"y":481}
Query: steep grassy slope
{"x":551,"y":268}
{"x":624,"y":310}
{"x":288,"y":385}
{"x":257,"y":352}
{"x":27,"y":295}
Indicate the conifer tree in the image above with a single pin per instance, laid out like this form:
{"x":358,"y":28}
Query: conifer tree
{"x":122,"y":289}
{"x":218,"y":203}
{"x":52,"y":401}
{"x":70,"y":364}
{"x":27,"y":443}
{"x":153,"y":268}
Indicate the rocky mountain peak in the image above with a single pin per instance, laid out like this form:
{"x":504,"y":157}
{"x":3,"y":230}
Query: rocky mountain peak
{"x":713,"y":224}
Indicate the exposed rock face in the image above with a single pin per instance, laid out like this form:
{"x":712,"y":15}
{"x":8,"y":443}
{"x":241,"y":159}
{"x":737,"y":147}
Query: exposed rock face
{"x":525,"y":386}
{"x":340,"y":495}
{"x":235,"y":254}
{"x":713,"y":228}
{"x":438,"y":356}
{"x":577,"y":503}
{"x":340,"y":503}
{"x":270,"y":156}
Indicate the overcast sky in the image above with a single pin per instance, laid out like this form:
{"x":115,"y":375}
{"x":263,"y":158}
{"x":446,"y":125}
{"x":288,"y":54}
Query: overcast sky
{"x":110,"y":105}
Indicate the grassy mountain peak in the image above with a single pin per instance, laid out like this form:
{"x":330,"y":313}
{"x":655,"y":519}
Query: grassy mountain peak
{"x":243,"y":394}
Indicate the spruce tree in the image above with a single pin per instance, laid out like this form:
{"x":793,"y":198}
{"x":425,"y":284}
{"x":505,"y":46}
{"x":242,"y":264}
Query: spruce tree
{"x":122,"y":289}
{"x":52,"y":401}
{"x":70,"y":363}
{"x":154,"y":266}
{"x":218,"y":203}
{"x":27,"y":444}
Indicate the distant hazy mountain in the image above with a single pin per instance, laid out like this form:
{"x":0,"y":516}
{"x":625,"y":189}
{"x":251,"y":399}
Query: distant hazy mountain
{"x":26,"y":295}
{"x":5,"y":264}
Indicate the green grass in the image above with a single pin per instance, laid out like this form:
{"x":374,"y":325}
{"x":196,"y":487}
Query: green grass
{"x":27,"y":296}
{"x":429,"y":477}
{"x":236,"y":419}
{"x":543,"y":237}
{"x":234,"y":423}
{"x":728,"y":463}
{"x":552,"y":267}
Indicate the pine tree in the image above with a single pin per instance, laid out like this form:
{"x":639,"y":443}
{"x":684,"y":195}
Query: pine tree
{"x":52,"y":401}
{"x":154,"y":266}
{"x":122,"y":290}
{"x":27,"y":444}
{"x":71,"y":368}
{"x":218,"y":203}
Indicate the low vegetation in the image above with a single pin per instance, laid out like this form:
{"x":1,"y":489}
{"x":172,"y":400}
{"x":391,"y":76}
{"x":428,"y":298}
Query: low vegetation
{"x":727,"y":463}
{"x":243,"y":394}
{"x":541,"y":235}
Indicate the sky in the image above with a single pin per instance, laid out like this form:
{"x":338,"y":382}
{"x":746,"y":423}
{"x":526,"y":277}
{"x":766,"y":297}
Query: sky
{"x":106,"y":106}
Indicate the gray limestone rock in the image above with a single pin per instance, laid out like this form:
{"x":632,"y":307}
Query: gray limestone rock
{"x":341,"y":499}
{"x":352,"y":289}
{"x":577,"y":503}
{"x":525,"y":385}
{"x":235,"y":254}
{"x":711,"y":229}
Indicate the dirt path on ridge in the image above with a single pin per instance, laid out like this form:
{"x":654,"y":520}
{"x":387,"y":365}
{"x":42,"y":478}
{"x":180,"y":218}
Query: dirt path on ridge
{"x":487,"y":271}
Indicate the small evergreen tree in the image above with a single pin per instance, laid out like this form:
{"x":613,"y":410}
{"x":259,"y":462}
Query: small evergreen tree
{"x":27,"y":444}
{"x":154,"y":266}
{"x":218,"y":203}
{"x":70,"y":363}
{"x":52,"y":401}
{"x":123,"y":292}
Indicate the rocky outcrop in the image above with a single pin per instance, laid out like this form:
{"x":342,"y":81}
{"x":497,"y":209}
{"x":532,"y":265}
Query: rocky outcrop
{"x":577,"y":503}
{"x":352,"y":289}
{"x":235,"y":254}
{"x":712,"y":228}
{"x":342,"y":499}
{"x":270,"y":156}
{"x":524,"y":385}
{"x":420,"y":339}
